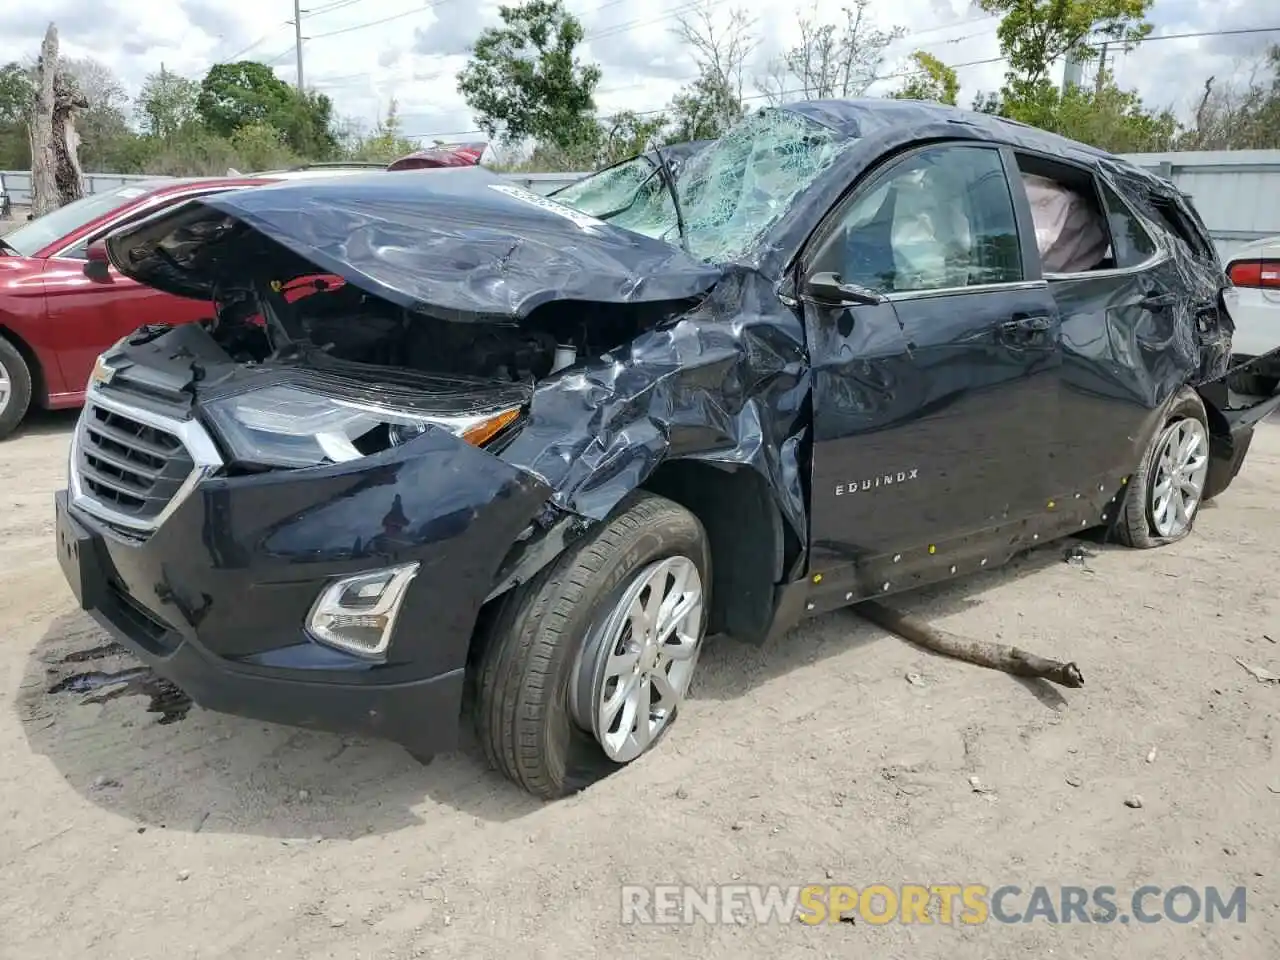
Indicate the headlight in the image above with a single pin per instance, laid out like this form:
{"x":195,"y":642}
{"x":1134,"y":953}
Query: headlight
{"x":289,"y":426}
{"x":358,"y":614}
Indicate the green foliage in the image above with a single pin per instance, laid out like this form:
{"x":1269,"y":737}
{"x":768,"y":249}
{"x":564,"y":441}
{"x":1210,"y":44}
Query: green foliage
{"x":236,"y":95}
{"x":1035,"y":33}
{"x":704,"y":109}
{"x":16,"y":94}
{"x":1244,"y":117}
{"x":524,"y":80}
{"x":386,"y":143}
{"x":166,"y":103}
{"x":935,"y":81}
{"x":260,"y":146}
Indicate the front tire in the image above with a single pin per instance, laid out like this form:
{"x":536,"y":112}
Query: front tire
{"x":587,"y":664}
{"x":15,"y":388}
{"x":1163,"y":497}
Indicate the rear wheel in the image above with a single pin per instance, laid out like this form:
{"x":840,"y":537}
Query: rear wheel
{"x":15,"y":388}
{"x":587,"y":665}
{"x":1164,"y":494}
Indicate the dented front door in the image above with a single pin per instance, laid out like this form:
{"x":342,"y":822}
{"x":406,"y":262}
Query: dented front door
{"x":934,"y":410}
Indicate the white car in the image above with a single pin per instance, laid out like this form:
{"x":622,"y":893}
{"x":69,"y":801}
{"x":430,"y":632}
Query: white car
{"x":1254,"y":305}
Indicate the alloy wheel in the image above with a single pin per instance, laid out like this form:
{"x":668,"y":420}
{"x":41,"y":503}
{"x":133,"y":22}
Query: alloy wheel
{"x":1181,"y":467}
{"x":6,"y":387}
{"x":636,"y":664}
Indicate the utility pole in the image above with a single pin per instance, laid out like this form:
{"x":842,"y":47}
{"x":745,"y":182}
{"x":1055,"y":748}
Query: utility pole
{"x":1102,"y":69}
{"x":297,"y":34}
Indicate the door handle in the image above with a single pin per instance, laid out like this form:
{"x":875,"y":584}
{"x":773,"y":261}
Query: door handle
{"x":1026,"y":324}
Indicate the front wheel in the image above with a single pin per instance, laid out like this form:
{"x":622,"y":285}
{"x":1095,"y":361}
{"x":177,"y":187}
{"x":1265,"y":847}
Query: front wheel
{"x":586,"y":666}
{"x":15,"y":388}
{"x":1164,"y":494}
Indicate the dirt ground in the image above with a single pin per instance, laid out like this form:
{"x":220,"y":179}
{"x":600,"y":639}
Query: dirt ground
{"x":814,"y":759}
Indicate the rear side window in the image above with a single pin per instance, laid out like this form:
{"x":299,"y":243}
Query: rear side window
{"x":1130,"y":242}
{"x":1186,"y":231}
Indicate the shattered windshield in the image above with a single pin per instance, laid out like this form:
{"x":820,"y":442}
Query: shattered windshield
{"x":731,"y":192}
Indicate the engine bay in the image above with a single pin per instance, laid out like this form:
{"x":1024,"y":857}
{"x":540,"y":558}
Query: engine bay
{"x":351,"y":326}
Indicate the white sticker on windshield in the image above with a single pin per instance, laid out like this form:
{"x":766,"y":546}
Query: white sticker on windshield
{"x":131,"y":193}
{"x":583,"y":220}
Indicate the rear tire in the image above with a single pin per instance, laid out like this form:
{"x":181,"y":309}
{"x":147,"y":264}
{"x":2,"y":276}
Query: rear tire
{"x":549,"y":640}
{"x":15,"y":388}
{"x":1159,"y":506}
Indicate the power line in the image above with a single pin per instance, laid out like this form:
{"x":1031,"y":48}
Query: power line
{"x":253,"y":46}
{"x":1203,"y":33}
{"x":374,"y":23}
{"x":330,"y":7}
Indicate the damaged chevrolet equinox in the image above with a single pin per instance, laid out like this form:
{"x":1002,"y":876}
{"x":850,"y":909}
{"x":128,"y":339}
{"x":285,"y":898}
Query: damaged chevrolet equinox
{"x":448,"y":441}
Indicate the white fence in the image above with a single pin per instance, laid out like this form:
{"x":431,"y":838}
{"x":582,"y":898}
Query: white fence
{"x":1237,"y":192}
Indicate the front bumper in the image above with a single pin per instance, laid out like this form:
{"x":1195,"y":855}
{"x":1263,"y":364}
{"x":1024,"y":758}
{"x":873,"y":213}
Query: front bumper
{"x":216,"y":599}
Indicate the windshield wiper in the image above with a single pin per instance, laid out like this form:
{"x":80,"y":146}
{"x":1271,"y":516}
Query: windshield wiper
{"x":669,"y":178}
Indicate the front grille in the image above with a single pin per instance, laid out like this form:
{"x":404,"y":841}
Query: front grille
{"x":132,"y":468}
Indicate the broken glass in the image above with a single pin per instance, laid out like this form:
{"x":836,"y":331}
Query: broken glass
{"x":731,"y":192}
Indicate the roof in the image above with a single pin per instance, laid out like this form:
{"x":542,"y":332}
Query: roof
{"x":871,"y":117}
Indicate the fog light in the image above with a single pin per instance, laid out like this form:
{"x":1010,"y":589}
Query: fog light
{"x":358,"y":614}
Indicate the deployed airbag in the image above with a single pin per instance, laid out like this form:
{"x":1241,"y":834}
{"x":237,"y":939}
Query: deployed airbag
{"x":1069,"y":234}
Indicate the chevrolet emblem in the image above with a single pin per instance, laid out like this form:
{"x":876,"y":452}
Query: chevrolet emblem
{"x":102,"y":372}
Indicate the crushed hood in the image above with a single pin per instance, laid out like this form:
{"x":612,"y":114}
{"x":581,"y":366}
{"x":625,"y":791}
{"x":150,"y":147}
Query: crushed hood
{"x":463,"y":241}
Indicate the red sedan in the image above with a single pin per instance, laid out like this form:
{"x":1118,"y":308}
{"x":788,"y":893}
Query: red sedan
{"x":56,"y":316}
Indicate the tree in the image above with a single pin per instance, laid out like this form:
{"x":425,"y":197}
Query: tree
{"x":524,"y":80}
{"x":103,"y":124}
{"x":832,"y":59}
{"x":1243,"y":116}
{"x":626,"y":134}
{"x":235,"y":95}
{"x":166,"y":103}
{"x":703,"y":110}
{"x":1113,"y":119}
{"x":387,"y":143}
{"x":56,"y":177}
{"x":16,"y":98}
{"x":261,"y":146}
{"x":933,"y":81}
{"x":714,"y":101}
{"x":1034,"y":34}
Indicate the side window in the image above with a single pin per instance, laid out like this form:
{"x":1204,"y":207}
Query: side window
{"x":1130,"y":242}
{"x":79,"y":252}
{"x":1179,"y":226}
{"x":941,"y":219}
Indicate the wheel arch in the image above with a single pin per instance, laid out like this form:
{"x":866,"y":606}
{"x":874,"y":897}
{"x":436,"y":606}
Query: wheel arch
{"x":751,"y":546}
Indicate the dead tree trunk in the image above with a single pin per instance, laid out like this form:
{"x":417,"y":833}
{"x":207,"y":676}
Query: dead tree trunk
{"x":56,"y":177}
{"x":44,"y":163}
{"x":66,"y":141}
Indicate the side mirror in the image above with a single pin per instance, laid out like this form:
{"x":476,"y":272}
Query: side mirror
{"x":828,"y":288}
{"x":97,"y":267}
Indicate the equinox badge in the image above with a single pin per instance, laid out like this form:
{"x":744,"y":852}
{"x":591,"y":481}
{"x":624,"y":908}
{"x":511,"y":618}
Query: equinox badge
{"x":886,"y":480}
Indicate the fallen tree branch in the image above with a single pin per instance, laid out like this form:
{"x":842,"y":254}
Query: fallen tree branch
{"x":997,"y":656}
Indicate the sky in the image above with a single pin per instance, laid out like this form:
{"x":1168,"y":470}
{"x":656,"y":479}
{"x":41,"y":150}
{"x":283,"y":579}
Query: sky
{"x":362,"y":53}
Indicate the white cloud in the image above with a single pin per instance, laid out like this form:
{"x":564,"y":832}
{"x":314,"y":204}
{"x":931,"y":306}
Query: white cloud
{"x":364,"y":52}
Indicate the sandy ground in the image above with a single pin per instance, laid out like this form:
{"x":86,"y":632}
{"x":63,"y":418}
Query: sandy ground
{"x":813,"y":758}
